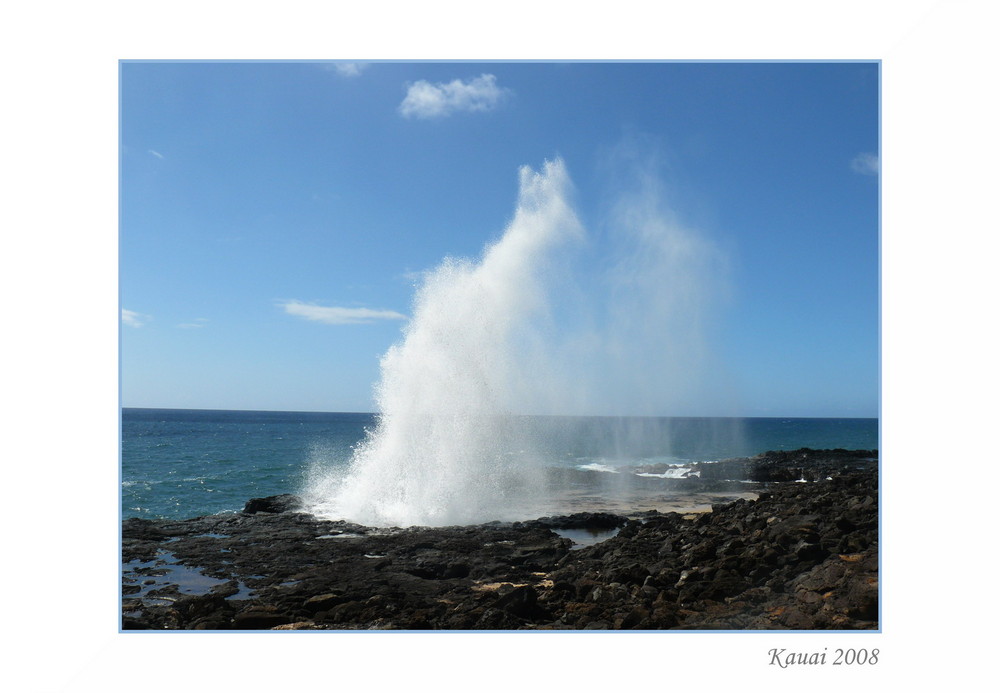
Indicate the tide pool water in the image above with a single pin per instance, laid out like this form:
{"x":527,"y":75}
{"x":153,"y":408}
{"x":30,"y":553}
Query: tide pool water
{"x":185,"y":463}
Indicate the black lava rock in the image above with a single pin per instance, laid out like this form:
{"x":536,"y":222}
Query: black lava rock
{"x":273,"y":504}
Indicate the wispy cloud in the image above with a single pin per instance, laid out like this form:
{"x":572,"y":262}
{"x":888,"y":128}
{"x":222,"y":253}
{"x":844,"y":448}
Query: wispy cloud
{"x":198,"y":322}
{"x":336,"y":315}
{"x":133,"y":319}
{"x":346,"y":69}
{"x":866,"y":163}
{"x":156,"y":154}
{"x":426,"y":100}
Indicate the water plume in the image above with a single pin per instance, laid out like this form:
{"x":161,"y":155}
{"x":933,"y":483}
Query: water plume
{"x":534,"y":326}
{"x":447,"y":448}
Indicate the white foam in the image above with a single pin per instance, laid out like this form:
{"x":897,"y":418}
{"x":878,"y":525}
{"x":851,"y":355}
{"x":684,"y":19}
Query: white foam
{"x":597,"y":467}
{"x":673,"y":473}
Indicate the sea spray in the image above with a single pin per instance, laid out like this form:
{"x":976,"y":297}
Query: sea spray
{"x":448,"y":447}
{"x":547,"y":321}
{"x":662,"y":283}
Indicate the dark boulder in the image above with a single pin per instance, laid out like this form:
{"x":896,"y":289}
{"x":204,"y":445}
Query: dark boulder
{"x":521,"y":601}
{"x":580,"y":521}
{"x":259,"y":619}
{"x":286,"y":502}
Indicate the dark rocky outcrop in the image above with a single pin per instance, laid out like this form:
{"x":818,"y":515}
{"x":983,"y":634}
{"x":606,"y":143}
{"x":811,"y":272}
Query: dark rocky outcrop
{"x":804,"y":555}
{"x":272,"y":504}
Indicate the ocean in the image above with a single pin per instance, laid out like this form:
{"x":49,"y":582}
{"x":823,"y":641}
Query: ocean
{"x":181,"y":463}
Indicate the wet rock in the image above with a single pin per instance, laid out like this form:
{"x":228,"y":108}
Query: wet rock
{"x":273,"y":504}
{"x":581,"y":521}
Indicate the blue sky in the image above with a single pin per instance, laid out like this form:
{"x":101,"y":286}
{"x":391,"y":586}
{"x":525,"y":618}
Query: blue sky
{"x":276,"y":216}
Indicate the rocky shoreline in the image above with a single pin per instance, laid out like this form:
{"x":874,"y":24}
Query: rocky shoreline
{"x":803,"y":556}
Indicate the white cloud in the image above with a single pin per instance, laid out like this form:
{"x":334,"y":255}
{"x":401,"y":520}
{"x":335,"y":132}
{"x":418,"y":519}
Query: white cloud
{"x":133,"y":319}
{"x":426,"y":100}
{"x":198,"y":322}
{"x":866,"y":164}
{"x":346,"y":69}
{"x":156,"y":154}
{"x":335,"y":315}
{"x":350,"y":69}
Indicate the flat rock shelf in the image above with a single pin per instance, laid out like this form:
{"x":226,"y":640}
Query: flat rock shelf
{"x":802,"y":556}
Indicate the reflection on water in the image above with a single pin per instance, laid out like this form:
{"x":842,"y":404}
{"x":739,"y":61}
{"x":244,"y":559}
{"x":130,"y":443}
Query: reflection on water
{"x":164,"y":570}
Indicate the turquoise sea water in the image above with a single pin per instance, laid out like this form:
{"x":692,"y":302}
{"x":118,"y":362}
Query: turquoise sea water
{"x":178,"y":463}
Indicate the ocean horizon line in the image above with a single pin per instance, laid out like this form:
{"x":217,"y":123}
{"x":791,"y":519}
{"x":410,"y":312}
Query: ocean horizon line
{"x":574,"y":416}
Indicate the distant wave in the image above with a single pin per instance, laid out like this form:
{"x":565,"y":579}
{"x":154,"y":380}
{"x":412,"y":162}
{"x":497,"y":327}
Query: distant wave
{"x":672,"y":473}
{"x":597,"y":467}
